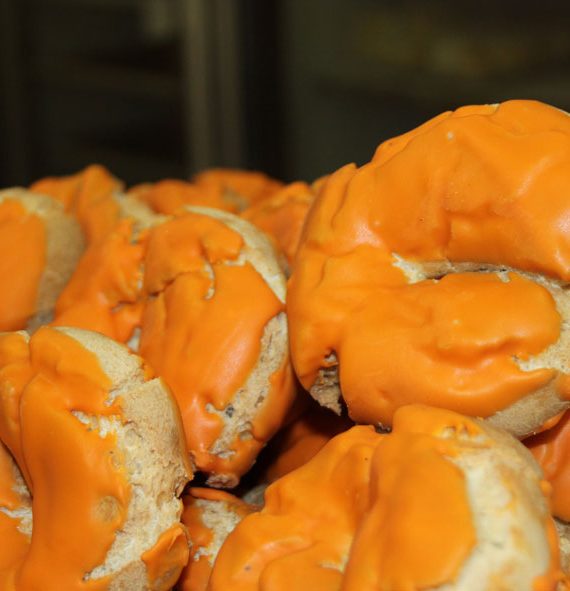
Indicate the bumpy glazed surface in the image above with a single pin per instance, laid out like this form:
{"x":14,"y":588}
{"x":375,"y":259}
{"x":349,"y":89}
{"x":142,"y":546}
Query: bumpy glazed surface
{"x":89,"y":195}
{"x":282,"y":216}
{"x":243,"y":187}
{"x":352,"y":518}
{"x":226,"y":189}
{"x":100,"y":448}
{"x":170,"y":195}
{"x":214,"y":328}
{"x":210,"y":516}
{"x":201,"y":297}
{"x":104,"y":293}
{"x":15,"y":516}
{"x":551,"y":449}
{"x":40,"y":246}
{"x":436,"y":272}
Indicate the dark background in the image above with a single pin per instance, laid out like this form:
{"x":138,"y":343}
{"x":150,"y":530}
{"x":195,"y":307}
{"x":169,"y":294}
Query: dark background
{"x":296,"y":88}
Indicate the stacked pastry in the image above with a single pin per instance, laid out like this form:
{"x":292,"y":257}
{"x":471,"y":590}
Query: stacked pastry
{"x":150,"y":346}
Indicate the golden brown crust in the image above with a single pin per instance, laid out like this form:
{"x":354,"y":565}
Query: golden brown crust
{"x":329,"y":521}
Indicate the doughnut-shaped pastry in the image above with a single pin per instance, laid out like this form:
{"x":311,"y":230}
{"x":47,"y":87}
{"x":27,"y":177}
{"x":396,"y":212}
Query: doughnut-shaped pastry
{"x":444,"y":502}
{"x":282,"y":216}
{"x":214,"y":328}
{"x":243,"y":188}
{"x":39,"y":248}
{"x":436,"y":273}
{"x":101,"y":450}
{"x":210,"y":516}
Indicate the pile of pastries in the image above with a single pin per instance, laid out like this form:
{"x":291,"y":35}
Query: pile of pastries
{"x":356,"y":384}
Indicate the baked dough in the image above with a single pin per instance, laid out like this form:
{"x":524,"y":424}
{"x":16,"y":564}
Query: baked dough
{"x":443,"y":502}
{"x":437,"y":272}
{"x":100,"y":447}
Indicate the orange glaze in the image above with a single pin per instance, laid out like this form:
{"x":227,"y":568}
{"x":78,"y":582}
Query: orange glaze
{"x":71,"y":471}
{"x":282,"y":216}
{"x":351,"y":517}
{"x":22,"y":262}
{"x":196,"y":575}
{"x":104,"y":292}
{"x":555,"y":577}
{"x":484,"y":185}
{"x":89,"y":195}
{"x":13,"y":543}
{"x":170,"y":195}
{"x":205,"y":343}
{"x":165,"y":559}
{"x":319,"y":183}
{"x":251,"y":186}
{"x":551,"y":450}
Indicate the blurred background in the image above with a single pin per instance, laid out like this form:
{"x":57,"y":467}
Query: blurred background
{"x":296,"y":88}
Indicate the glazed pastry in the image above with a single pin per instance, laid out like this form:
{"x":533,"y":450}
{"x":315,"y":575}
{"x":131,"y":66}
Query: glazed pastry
{"x":436,"y":273}
{"x":40,"y":246}
{"x":201,"y":297}
{"x":444,"y":502}
{"x":100,"y":448}
{"x":214,"y":328}
{"x":226,"y":189}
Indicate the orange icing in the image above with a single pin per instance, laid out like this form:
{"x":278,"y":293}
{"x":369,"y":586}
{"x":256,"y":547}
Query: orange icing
{"x":551,"y":449}
{"x":319,"y":183}
{"x":205,"y":343}
{"x":554,"y":578}
{"x":13,"y":542}
{"x":401,"y":524}
{"x":71,"y":471}
{"x":282,"y":216}
{"x":170,"y":195}
{"x":252,"y":186}
{"x":483,"y":185}
{"x":103,"y":294}
{"x":23,"y":247}
{"x":89,"y":195}
{"x":165,"y":560}
{"x":337,"y":522}
{"x":196,"y":575}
